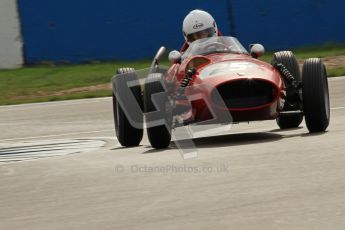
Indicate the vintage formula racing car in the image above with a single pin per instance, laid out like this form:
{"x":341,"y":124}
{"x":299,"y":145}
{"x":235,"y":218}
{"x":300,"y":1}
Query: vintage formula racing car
{"x":215,"y":80}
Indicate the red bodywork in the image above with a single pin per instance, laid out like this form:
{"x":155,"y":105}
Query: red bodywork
{"x":252,"y":89}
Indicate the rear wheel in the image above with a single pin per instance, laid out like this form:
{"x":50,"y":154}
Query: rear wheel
{"x":159,"y":136}
{"x":126,"y":134}
{"x":315,"y":95}
{"x":289,"y":120}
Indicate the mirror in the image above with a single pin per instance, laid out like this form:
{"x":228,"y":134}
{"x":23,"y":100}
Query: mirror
{"x":257,"y":50}
{"x":155,"y":62}
{"x":174,"y":57}
{"x":160,"y":53}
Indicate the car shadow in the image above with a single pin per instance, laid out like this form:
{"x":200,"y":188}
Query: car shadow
{"x":152,"y":150}
{"x":224,"y":141}
{"x":122,"y":147}
{"x":237,"y":139}
{"x":282,"y":130}
{"x":314,"y":134}
{"x":306,"y":134}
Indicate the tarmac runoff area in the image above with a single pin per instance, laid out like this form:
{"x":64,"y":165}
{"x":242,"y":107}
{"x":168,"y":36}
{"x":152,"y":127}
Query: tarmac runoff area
{"x":62,"y":168}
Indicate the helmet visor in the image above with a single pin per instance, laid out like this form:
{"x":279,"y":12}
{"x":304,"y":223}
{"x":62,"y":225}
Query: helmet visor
{"x":210,"y":32}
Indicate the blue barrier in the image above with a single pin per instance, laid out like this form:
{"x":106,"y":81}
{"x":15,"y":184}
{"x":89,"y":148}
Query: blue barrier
{"x":284,"y":24}
{"x":85,"y":30}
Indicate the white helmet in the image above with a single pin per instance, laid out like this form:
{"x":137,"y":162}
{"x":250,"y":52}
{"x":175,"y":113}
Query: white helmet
{"x":198,"y":24}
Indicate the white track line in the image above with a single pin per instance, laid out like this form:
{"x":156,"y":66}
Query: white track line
{"x":57,"y":103}
{"x":90,"y":132}
{"x":14,"y":152}
{"x":337,"y":108}
{"x":57,"y":135}
{"x":336,"y":78}
{"x":91,"y":100}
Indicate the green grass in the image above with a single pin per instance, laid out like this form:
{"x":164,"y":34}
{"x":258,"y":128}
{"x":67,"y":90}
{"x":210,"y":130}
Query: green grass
{"x":38,"y":83}
{"x":27,"y":82}
{"x":336,"y":72}
{"x":326,"y":50}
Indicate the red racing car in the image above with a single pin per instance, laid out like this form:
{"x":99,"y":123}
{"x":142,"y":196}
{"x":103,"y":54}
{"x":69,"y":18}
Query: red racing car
{"x":215,"y":80}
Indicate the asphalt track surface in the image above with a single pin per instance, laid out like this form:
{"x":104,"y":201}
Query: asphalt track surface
{"x":254,"y":177}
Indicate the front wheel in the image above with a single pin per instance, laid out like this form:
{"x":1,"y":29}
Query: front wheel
{"x":293,"y":120}
{"x":315,"y":95}
{"x":126,"y":134}
{"x":159,"y":136}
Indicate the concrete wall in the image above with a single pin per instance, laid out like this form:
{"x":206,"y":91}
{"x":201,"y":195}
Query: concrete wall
{"x":11,"y":52}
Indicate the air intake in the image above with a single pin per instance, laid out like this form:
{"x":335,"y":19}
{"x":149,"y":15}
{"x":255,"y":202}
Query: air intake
{"x":246,"y":93}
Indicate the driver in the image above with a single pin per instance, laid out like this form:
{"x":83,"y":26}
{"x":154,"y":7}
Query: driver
{"x":198,"y":24}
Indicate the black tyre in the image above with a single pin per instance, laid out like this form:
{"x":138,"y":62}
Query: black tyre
{"x":126,"y":134}
{"x":293,"y":120}
{"x":315,"y":95}
{"x":159,"y":136}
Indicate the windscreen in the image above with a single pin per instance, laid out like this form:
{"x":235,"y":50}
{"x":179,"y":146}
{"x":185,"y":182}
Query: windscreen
{"x":211,"y":45}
